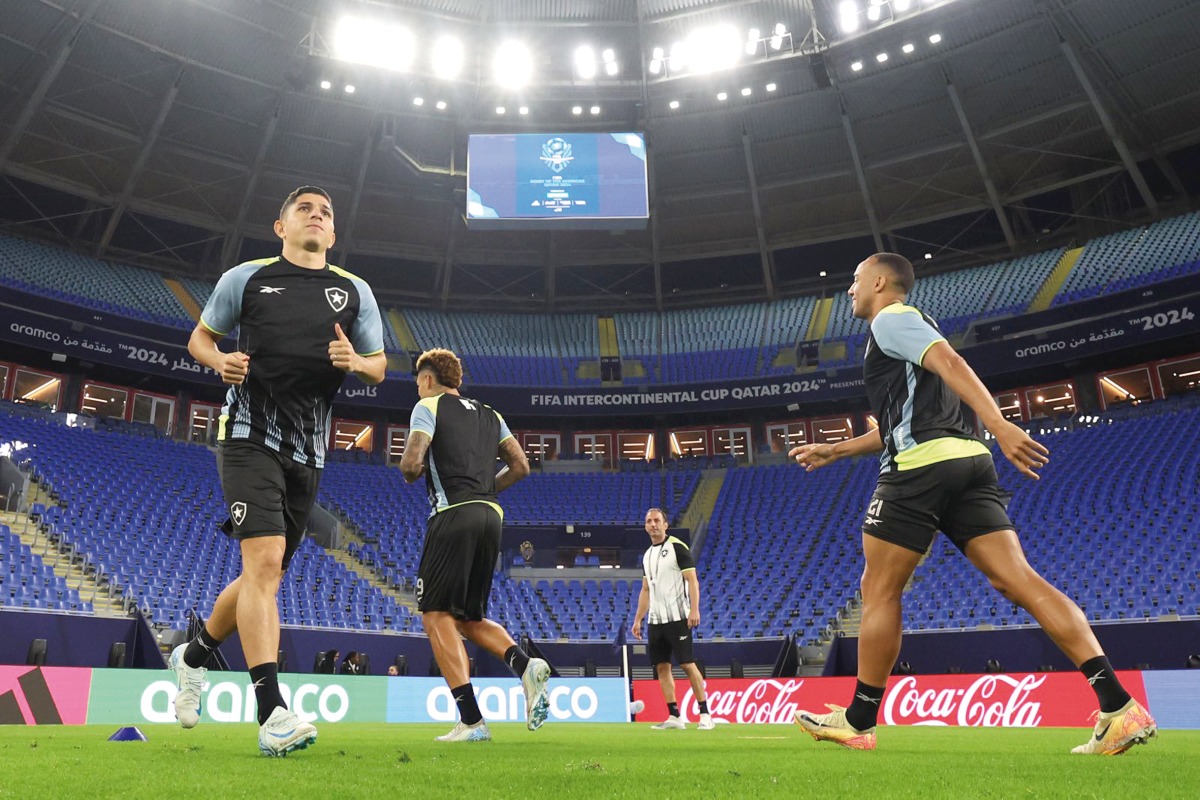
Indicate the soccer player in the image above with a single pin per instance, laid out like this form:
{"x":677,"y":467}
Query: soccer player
{"x":302,"y":325}
{"x":935,"y":475}
{"x":671,"y":595}
{"x":454,"y":441}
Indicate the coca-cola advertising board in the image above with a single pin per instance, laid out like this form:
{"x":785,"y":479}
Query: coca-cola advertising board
{"x":1015,"y":700}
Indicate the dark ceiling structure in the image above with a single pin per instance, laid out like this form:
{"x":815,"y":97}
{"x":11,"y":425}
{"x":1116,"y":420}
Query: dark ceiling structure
{"x":166,"y":132}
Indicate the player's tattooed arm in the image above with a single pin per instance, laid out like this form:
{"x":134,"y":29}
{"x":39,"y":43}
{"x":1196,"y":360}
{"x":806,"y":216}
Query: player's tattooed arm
{"x":412,"y":463}
{"x":516,"y":465}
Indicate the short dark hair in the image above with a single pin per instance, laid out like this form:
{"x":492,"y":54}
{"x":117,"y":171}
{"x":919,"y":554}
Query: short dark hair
{"x":445,"y":366}
{"x":290,"y":200}
{"x":661,"y":513}
{"x":900,"y":267}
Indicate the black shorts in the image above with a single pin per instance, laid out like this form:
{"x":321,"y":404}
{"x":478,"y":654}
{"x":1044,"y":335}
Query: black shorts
{"x":266,"y":494}
{"x":667,"y":639}
{"x":961,"y":497}
{"x":459,"y":560}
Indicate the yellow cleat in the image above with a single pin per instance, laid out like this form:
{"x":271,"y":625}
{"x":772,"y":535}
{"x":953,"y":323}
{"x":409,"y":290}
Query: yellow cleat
{"x":1120,"y":730}
{"x":833,"y":727}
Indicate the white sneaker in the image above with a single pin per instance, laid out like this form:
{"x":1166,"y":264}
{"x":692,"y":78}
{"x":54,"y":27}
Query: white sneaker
{"x":468,"y":733}
{"x":191,"y":684}
{"x":283,"y":732}
{"x":706,"y":723}
{"x":669,"y":724}
{"x":533,"y":681}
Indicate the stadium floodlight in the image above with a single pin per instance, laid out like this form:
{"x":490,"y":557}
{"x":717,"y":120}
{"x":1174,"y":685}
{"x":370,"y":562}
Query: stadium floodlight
{"x":935,"y":38}
{"x":722,"y":96}
{"x":875,"y":10}
{"x":512,"y":65}
{"x":441,"y":105}
{"x":882,"y":57}
{"x":746,"y":91}
{"x":611,"y":68}
{"x":585,"y":62}
{"x":523,"y":110}
{"x":418,"y":101}
{"x":349,"y":88}
{"x":369,"y":41}
{"x":753,"y":37}
{"x":326,"y":85}
{"x":777,"y":39}
{"x":928,"y":256}
{"x":609,"y":55}
{"x":500,"y":110}
{"x":856,"y":66}
{"x":771,"y":87}
{"x":576,"y":110}
{"x":713,"y":48}
{"x":848,"y":16}
{"x":674,"y":104}
{"x":908,"y":48}
{"x":446,"y":57}
{"x":678,"y":58}
{"x":901,"y":5}
{"x":657,"y":57}
{"x":595,"y":110}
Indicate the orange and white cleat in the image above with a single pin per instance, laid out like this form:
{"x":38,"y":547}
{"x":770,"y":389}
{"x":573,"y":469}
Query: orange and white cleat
{"x":833,"y":727}
{"x":1120,"y":730}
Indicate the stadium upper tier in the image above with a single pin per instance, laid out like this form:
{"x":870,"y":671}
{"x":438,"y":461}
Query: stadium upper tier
{"x":1112,"y":522}
{"x":673,"y":346}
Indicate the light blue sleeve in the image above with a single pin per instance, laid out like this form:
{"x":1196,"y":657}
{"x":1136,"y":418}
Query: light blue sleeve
{"x":224,"y":307}
{"x":505,"y":433}
{"x":905,"y":335}
{"x":368,"y":325}
{"x":422,"y":420}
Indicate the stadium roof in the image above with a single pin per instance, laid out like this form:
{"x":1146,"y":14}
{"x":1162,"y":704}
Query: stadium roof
{"x":167,"y":131}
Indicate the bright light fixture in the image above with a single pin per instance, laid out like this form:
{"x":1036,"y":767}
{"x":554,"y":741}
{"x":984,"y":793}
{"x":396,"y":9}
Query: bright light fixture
{"x":441,"y":105}
{"x":349,"y":88}
{"x":500,"y":109}
{"x":875,"y":10}
{"x":935,"y":38}
{"x":908,"y":48}
{"x":901,"y":5}
{"x":882,"y":57}
{"x":380,"y":44}
{"x":523,"y":110}
{"x":595,"y":110}
{"x":678,"y":58}
{"x":713,"y":48}
{"x":746,"y":91}
{"x":512,"y":65}
{"x":418,"y":101}
{"x":608,"y":55}
{"x":753,"y":37}
{"x":856,"y":66}
{"x":611,"y":68}
{"x":446,"y":57}
{"x":576,"y":110}
{"x":326,"y":85}
{"x":722,"y":96}
{"x":585,"y":62}
{"x":848,"y":16}
{"x":674,"y":104}
{"x":777,"y":39}
{"x":771,"y":87}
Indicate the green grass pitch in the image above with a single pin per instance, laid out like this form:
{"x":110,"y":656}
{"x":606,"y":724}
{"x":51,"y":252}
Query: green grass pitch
{"x":586,"y":761}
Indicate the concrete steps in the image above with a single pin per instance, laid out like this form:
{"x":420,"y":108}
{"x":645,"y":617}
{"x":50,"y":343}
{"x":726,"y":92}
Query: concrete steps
{"x":368,"y":574}
{"x":1055,"y":280}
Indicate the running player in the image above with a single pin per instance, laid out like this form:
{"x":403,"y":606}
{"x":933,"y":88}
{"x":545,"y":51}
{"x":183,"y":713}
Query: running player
{"x":302,"y":325}
{"x":455,"y":441}
{"x":935,"y":475}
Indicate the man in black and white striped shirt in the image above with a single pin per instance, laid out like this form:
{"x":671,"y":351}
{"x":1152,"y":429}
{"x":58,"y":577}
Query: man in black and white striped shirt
{"x":671,"y":595}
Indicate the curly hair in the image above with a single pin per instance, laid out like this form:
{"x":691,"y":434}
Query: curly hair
{"x":445,"y":366}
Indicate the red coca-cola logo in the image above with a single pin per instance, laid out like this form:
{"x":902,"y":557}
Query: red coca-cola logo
{"x":760,"y":701}
{"x":988,"y":701}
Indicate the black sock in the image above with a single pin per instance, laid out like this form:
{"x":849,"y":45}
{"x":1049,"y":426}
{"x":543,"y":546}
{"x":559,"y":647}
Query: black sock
{"x":1104,"y":683}
{"x":673,"y":709}
{"x":864,"y":708}
{"x":199,"y":649}
{"x":703,"y":706}
{"x":517,"y":660}
{"x":468,"y":708}
{"x":266,"y":689}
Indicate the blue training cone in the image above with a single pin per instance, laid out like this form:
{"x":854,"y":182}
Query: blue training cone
{"x":128,"y":734}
